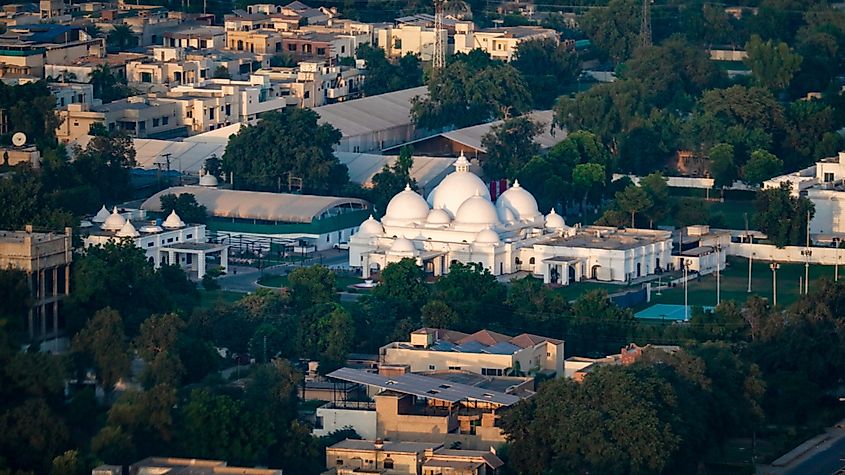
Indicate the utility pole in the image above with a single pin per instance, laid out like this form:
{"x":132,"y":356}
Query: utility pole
{"x":718,"y":274}
{"x":774,"y":266}
{"x":686,"y":264}
{"x":439,"y":60}
{"x":807,"y":255}
{"x":645,"y":26}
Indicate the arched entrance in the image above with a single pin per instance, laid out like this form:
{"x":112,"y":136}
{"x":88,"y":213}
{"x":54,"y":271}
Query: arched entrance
{"x":594,"y":273}
{"x":571,"y":273}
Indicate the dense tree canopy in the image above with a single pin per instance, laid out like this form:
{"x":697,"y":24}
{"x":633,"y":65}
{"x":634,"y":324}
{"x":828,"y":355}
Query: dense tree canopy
{"x":283,"y":148}
{"x":547,"y":67}
{"x":781,"y":216}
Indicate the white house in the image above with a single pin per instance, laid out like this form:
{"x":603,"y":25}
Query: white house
{"x":460,"y":223}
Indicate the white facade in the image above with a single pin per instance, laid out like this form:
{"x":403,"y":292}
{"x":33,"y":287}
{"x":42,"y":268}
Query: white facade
{"x":335,"y":417}
{"x":397,"y":41}
{"x":460,"y":223}
{"x":500,"y":43}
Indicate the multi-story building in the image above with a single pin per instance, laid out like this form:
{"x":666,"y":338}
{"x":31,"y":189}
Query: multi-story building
{"x":24,"y":50}
{"x":46,"y":260}
{"x":196,"y":36}
{"x":402,"y":39}
{"x":139,"y":116}
{"x":485,"y":352}
{"x":169,"y":66}
{"x":314,"y":84}
{"x":259,"y":41}
{"x":72,"y":93}
{"x":409,"y":407}
{"x":351,"y":457}
{"x":500,"y":43}
{"x":170,"y":241}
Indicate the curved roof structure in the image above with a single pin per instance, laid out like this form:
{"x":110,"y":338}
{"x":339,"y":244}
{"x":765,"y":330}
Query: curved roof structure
{"x":261,"y":205}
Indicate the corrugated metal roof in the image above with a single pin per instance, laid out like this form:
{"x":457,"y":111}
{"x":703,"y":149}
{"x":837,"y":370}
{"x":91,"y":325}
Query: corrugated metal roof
{"x":425,"y":387}
{"x":472,"y":136}
{"x":255,"y":204}
{"x":363,"y":166}
{"x":371,"y":114}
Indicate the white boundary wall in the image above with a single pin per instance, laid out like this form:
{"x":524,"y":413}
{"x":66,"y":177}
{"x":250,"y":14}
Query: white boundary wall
{"x":688,"y":182}
{"x":768,"y":252}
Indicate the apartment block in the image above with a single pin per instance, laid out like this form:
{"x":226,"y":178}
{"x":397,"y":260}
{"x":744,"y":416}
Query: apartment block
{"x":24,"y":50}
{"x":350,"y":457}
{"x":500,"y":43}
{"x":139,"y":116}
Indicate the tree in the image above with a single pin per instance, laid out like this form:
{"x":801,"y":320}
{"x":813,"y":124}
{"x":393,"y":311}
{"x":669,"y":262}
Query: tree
{"x":473,"y":293}
{"x":403,"y":285}
{"x":438,"y":314}
{"x":121,"y":38}
{"x":103,"y":342}
{"x":587,"y":177}
{"x":282,"y":146}
{"x":608,"y":110}
{"x":469,"y":91}
{"x":615,"y":29}
{"x":772,"y":65}
{"x":31,"y":434}
{"x":311,"y":286}
{"x":392,"y":179}
{"x":722,"y":167}
{"x":548,"y":66}
{"x":31,"y":110}
{"x":108,"y":86}
{"x":807,"y":124}
{"x":156,"y":344}
{"x":781,"y":216}
{"x":67,"y":463}
{"x":509,"y":146}
{"x":689,"y":211}
{"x":106,"y":162}
{"x":633,"y":200}
{"x":221,"y":72}
{"x":762,"y":166}
{"x":656,"y":186}
{"x":382,"y":76}
{"x":186,"y":206}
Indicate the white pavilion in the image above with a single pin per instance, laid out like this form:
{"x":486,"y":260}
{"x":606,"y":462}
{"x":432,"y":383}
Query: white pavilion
{"x":459,"y":222}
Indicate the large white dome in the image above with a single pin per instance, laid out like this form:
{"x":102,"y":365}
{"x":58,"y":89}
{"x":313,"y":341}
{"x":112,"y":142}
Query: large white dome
{"x":519,"y":201}
{"x":477,"y":210}
{"x":457,"y":187}
{"x":405,"y":208}
{"x":114,"y":222}
{"x":369,"y":228}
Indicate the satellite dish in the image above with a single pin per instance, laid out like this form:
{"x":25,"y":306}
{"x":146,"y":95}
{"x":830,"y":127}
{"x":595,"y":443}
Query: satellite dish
{"x":19,"y":139}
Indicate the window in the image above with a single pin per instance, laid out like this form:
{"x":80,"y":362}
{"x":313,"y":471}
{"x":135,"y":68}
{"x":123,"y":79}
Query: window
{"x":189,"y":236}
{"x":454,"y":368}
{"x":321,"y":51}
{"x":165,"y":120}
{"x":156,"y":122}
{"x":210,"y":113}
{"x":291,"y":47}
{"x":431,"y":367}
{"x":397,"y":43}
{"x":228,"y":109}
{"x":491,"y":372}
{"x":388,"y":463}
{"x":339,"y":462}
{"x":169,"y":240}
{"x":190,"y":114}
{"x":150,"y":244}
{"x":142,"y":125}
{"x":828,"y":177}
{"x":548,"y":355}
{"x":278,"y":46}
{"x":531,"y":261}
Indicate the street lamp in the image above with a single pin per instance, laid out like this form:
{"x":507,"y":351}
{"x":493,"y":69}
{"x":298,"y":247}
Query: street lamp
{"x":837,"y":241}
{"x":378,"y":446}
{"x":750,"y":261}
{"x":686,"y":264}
{"x":718,"y":274}
{"x":806,"y":253}
{"x":774,"y":266}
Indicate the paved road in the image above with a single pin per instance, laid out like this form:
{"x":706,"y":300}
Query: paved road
{"x":246,"y":278}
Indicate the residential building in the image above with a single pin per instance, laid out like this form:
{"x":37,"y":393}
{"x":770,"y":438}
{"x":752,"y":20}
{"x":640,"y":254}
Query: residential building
{"x":309,"y":45}
{"x":169,"y":67}
{"x":824,"y":185}
{"x":46,"y":258}
{"x":703,"y":249}
{"x":11,"y":155}
{"x":177,"y":466}
{"x":410,"y":407}
{"x":459,"y":222}
{"x":139,"y":116}
{"x":72,"y":93}
{"x":350,"y":457}
{"x":578,"y":367}
{"x":24,"y":50}
{"x":500,"y":43}
{"x":149,"y":25}
{"x":485,"y":352}
{"x":168,"y":241}
{"x":273,"y":221}
{"x":196,"y":36}
{"x":262,"y":42}
{"x":80,"y":71}
{"x":313,"y":84}
{"x":19,"y":15}
{"x":402,"y":39}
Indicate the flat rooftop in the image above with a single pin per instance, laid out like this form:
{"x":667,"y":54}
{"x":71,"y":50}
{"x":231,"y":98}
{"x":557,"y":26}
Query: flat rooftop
{"x":17,"y":237}
{"x":611,"y":239}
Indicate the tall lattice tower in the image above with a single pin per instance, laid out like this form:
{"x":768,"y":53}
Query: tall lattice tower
{"x":439,"y":60}
{"x":645,"y":26}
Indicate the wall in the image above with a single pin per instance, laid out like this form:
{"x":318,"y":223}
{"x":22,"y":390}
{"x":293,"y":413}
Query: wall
{"x":422,"y":360}
{"x":363,"y":421}
{"x":767,"y":252}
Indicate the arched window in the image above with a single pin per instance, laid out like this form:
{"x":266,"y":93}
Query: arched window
{"x":518,"y":261}
{"x":531,"y":261}
{"x":388,"y":463}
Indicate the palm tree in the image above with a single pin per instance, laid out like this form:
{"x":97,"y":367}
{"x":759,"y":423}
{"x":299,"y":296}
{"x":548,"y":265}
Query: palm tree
{"x":121,"y":37}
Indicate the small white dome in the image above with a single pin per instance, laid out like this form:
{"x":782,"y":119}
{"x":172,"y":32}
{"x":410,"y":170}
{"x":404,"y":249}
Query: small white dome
{"x":128,"y":230}
{"x":173,"y":221}
{"x":114,"y":222}
{"x":477,"y":210}
{"x":151,"y":228}
{"x":101,"y":215}
{"x":520,"y":201}
{"x":555,"y":221}
{"x":405,"y":208}
{"x":370,"y":227}
{"x":438,"y":216}
{"x":208,"y":180}
{"x":403,"y":246}
{"x":487,"y":236}
{"x":457,"y":187}
{"x":85,"y":224}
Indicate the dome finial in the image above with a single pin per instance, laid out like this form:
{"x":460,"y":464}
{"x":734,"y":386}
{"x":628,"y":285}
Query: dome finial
{"x":516,"y":183}
{"x":407,"y":187}
{"x":462,"y":164}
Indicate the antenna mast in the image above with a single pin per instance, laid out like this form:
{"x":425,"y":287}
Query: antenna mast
{"x":439,"y":60}
{"x":645,"y":26}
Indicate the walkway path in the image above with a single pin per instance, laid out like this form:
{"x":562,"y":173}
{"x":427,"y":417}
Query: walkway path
{"x":821,"y":455}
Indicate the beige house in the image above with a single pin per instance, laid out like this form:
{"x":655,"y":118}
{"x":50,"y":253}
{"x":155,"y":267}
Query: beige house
{"x":500,"y":43}
{"x":46,"y":259}
{"x":178,"y":466}
{"x":350,"y":457}
{"x":402,"y":39}
{"x":262,"y":41}
{"x":139,"y":116}
{"x":485,"y":352}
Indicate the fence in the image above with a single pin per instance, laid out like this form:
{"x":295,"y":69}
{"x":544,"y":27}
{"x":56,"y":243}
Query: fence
{"x":768,"y":252}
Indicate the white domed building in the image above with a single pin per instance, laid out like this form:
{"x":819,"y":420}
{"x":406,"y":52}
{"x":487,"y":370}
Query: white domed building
{"x":459,"y":222}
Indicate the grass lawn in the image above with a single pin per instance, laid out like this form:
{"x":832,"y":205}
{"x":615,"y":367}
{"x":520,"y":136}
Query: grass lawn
{"x":734,"y":283}
{"x":210,"y":297}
